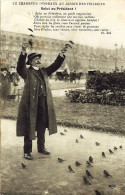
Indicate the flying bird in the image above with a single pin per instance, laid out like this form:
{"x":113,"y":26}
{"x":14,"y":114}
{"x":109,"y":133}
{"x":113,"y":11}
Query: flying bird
{"x":120,"y":146}
{"x":97,"y":143}
{"x":89,"y":174}
{"x":88,"y":164}
{"x":103,"y":154}
{"x":77,"y":141}
{"x":60,"y":160}
{"x":90,"y":159}
{"x":30,"y":29}
{"x":110,"y":151}
{"x":97,"y":192}
{"x":23,"y":166}
{"x":77,"y":163}
{"x":62,"y":133}
{"x":81,"y":136}
{"x":86,"y":181}
{"x":107,"y":174}
{"x":65,"y":130}
{"x":115,"y":148}
{"x":70,"y":169}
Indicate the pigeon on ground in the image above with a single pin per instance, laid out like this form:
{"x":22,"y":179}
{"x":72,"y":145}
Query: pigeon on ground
{"x":77,"y":163}
{"x":70,"y":169}
{"x":107,"y":174}
{"x":97,"y":143}
{"x":120,"y":146}
{"x":62,"y":133}
{"x":77,"y":141}
{"x":23,"y":166}
{"x":81,"y":136}
{"x":97,"y":192}
{"x":60,"y":160}
{"x":89,"y":174}
{"x":88,"y":164}
{"x":103,"y":154}
{"x":115,"y":148}
{"x":86,"y":181}
{"x":90,"y":159}
{"x":111,"y":151}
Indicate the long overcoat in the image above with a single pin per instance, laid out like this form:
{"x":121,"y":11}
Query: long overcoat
{"x":27,"y":112}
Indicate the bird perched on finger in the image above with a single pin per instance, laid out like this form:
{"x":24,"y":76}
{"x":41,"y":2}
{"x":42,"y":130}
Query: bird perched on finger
{"x":81,"y":136}
{"x":110,"y":151}
{"x":103,"y":154}
{"x":89,"y":174}
{"x":86,"y":181}
{"x":97,"y":143}
{"x":97,"y":192}
{"x":23,"y":166}
{"x":77,"y":141}
{"x":88,"y":164}
{"x":115,"y":148}
{"x":90,"y":159}
{"x":62,"y":133}
{"x":60,"y":160}
{"x":106,"y":174}
{"x":77,"y":163}
{"x":70,"y":169}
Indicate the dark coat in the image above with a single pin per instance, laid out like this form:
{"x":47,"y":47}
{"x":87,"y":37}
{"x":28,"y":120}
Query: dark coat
{"x":27,"y":112}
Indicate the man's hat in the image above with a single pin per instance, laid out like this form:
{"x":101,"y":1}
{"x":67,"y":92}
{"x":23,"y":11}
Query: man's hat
{"x":31,"y":56}
{"x":4,"y":69}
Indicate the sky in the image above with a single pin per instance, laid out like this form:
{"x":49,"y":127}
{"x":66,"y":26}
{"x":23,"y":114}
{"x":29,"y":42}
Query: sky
{"x":18,"y":18}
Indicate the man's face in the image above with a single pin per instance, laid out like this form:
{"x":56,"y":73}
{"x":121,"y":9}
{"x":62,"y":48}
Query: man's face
{"x":36,"y":61}
{"x":4,"y":72}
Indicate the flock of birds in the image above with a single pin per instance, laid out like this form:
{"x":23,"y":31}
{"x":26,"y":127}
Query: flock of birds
{"x":89,"y":163}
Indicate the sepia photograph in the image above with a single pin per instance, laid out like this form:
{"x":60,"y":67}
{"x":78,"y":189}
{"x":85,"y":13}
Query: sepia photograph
{"x":62,"y":97}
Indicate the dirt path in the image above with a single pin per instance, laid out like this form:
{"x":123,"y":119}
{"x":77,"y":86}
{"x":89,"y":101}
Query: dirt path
{"x":45,"y":175}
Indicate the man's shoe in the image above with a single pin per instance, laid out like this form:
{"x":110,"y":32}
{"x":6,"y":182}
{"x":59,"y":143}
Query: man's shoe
{"x":43,"y":151}
{"x":28,"y":156}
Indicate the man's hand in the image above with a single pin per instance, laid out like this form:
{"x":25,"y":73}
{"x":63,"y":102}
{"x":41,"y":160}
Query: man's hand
{"x":24,"y":46}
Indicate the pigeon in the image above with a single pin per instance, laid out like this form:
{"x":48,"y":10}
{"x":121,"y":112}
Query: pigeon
{"x":70,"y":169}
{"x":62,"y":133}
{"x":90,"y":159}
{"x":103,"y":154}
{"x":23,"y":166}
{"x":86,"y":181}
{"x":65,"y":130}
{"x":111,"y":151}
{"x":120,"y":146}
{"x":77,"y":163}
{"x":81,"y":136}
{"x":97,"y":192}
{"x":60,"y":160}
{"x":88,"y":164}
{"x":97,"y":143}
{"x":89,"y":174}
{"x":115,"y":148}
{"x":107,"y":174}
{"x":77,"y":141}
{"x":30,"y":29}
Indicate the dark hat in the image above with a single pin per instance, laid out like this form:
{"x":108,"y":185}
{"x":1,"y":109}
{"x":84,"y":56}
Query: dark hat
{"x":31,"y":56}
{"x":12,"y":67}
{"x":4,"y":69}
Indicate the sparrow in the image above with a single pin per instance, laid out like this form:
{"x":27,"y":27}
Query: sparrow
{"x":77,"y":141}
{"x":70,"y":169}
{"x":77,"y":163}
{"x":107,"y":174}
{"x":103,"y":154}
{"x":115,"y":148}
{"x":60,"y":160}
{"x":89,"y":174}
{"x":23,"y":166}
{"x":88,"y":164}
{"x":97,"y":143}
{"x":97,"y":192}
{"x":90,"y":159}
{"x":86,"y":181}
{"x":62,"y":133}
{"x":111,"y":151}
{"x":120,"y":146}
{"x":81,"y":136}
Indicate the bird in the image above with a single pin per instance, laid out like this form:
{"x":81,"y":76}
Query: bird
{"x":81,"y":136}
{"x":97,"y":143}
{"x":97,"y":192}
{"x":71,"y":42}
{"x":86,"y":181}
{"x":89,"y":174}
{"x":30,"y":29}
{"x":88,"y":164}
{"x":60,"y":160}
{"x":23,"y":166}
{"x":70,"y":169}
{"x":111,"y":151}
{"x":77,"y":163}
{"x":115,"y":148}
{"x":90,"y":159}
{"x":103,"y":154}
{"x":120,"y":146}
{"x":65,"y":130}
{"x":62,"y":133}
{"x":77,"y":141}
{"x":107,"y":174}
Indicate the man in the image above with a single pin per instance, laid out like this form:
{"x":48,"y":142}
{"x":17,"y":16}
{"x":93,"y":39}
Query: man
{"x":4,"y":84}
{"x":36,"y":109}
